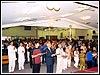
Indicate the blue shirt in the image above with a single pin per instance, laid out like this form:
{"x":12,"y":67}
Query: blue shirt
{"x":89,"y":56}
{"x":42,"y":49}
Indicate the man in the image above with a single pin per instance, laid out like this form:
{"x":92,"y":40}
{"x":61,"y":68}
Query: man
{"x":89,"y":59}
{"x":21,"y":57}
{"x":59,"y":54}
{"x":30,"y":51}
{"x":42,"y":49}
{"x":11,"y":56}
{"x":49,"y":58}
{"x":76,"y":57}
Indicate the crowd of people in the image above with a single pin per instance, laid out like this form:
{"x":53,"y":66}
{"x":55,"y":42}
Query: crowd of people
{"x":84,"y":53}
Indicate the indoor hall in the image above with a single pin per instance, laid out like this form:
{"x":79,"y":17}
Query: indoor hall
{"x":58,"y":21}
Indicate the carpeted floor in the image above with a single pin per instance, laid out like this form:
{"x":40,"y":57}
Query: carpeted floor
{"x":91,"y":70}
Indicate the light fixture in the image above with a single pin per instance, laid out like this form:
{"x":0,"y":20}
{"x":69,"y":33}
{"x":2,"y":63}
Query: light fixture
{"x":82,"y":8}
{"x":53,"y":6}
{"x":56,"y":7}
{"x":50,"y":6}
{"x":85,"y":17}
{"x":65,"y":15}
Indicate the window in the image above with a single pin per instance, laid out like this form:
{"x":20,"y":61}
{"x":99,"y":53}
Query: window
{"x":27,"y":27}
{"x":81,"y":37}
{"x":94,"y":37}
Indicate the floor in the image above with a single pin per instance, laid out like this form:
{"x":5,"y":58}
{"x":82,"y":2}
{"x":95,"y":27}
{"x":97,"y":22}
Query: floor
{"x":28,"y":70}
{"x":42,"y":69}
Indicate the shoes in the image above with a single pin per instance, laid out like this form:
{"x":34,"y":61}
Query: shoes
{"x":64,"y":69}
{"x":11,"y":71}
{"x":22,"y":68}
{"x":75,"y":66}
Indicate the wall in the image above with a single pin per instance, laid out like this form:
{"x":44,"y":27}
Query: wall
{"x":53,"y":32}
{"x":66,"y":33}
{"x":19,"y":31}
{"x":81,"y":32}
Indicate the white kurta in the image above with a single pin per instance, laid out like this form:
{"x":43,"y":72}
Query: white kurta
{"x":12,"y":57}
{"x":64,"y":61}
{"x":59,"y":60}
{"x":76,"y":58}
{"x":68,"y":51}
{"x":21,"y":57}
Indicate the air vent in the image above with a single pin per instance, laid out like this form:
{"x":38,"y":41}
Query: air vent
{"x":88,"y":23}
{"x":57,"y":19}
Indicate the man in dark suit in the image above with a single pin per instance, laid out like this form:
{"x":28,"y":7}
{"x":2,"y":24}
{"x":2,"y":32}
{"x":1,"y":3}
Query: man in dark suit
{"x":49,"y":58}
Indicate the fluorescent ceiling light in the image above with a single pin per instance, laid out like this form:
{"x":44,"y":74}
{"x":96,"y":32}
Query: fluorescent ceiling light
{"x":85,"y":17}
{"x":83,"y":7}
{"x":80,"y":9}
{"x":23,"y":19}
{"x":65,"y":15}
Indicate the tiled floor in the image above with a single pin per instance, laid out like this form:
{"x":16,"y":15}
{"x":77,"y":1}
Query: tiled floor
{"x":42,"y":69}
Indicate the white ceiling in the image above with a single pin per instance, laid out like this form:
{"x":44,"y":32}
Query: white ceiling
{"x":35,"y":13}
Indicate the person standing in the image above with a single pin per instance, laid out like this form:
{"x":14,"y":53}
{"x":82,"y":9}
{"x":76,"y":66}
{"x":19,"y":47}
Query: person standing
{"x":68,"y":51}
{"x":36,"y":59}
{"x":25,"y":46}
{"x":76,"y":57}
{"x":11,"y":56}
{"x":65,"y":58}
{"x":89,"y":59}
{"x":82,"y":59}
{"x":59,"y":53}
{"x":49,"y":58}
{"x":30,"y":51}
{"x":84,"y":48}
{"x":21,"y":57}
{"x":95,"y":57}
{"x":42,"y":49}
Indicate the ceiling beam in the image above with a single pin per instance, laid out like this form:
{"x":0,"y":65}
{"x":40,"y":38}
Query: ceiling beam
{"x":86,"y":4}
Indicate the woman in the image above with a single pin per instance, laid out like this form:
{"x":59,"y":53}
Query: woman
{"x":36,"y":60}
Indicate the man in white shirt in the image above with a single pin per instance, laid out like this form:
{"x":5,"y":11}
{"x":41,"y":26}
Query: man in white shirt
{"x":11,"y":56}
{"x":59,"y":53}
{"x":76,"y":57}
{"x":21,"y":57}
